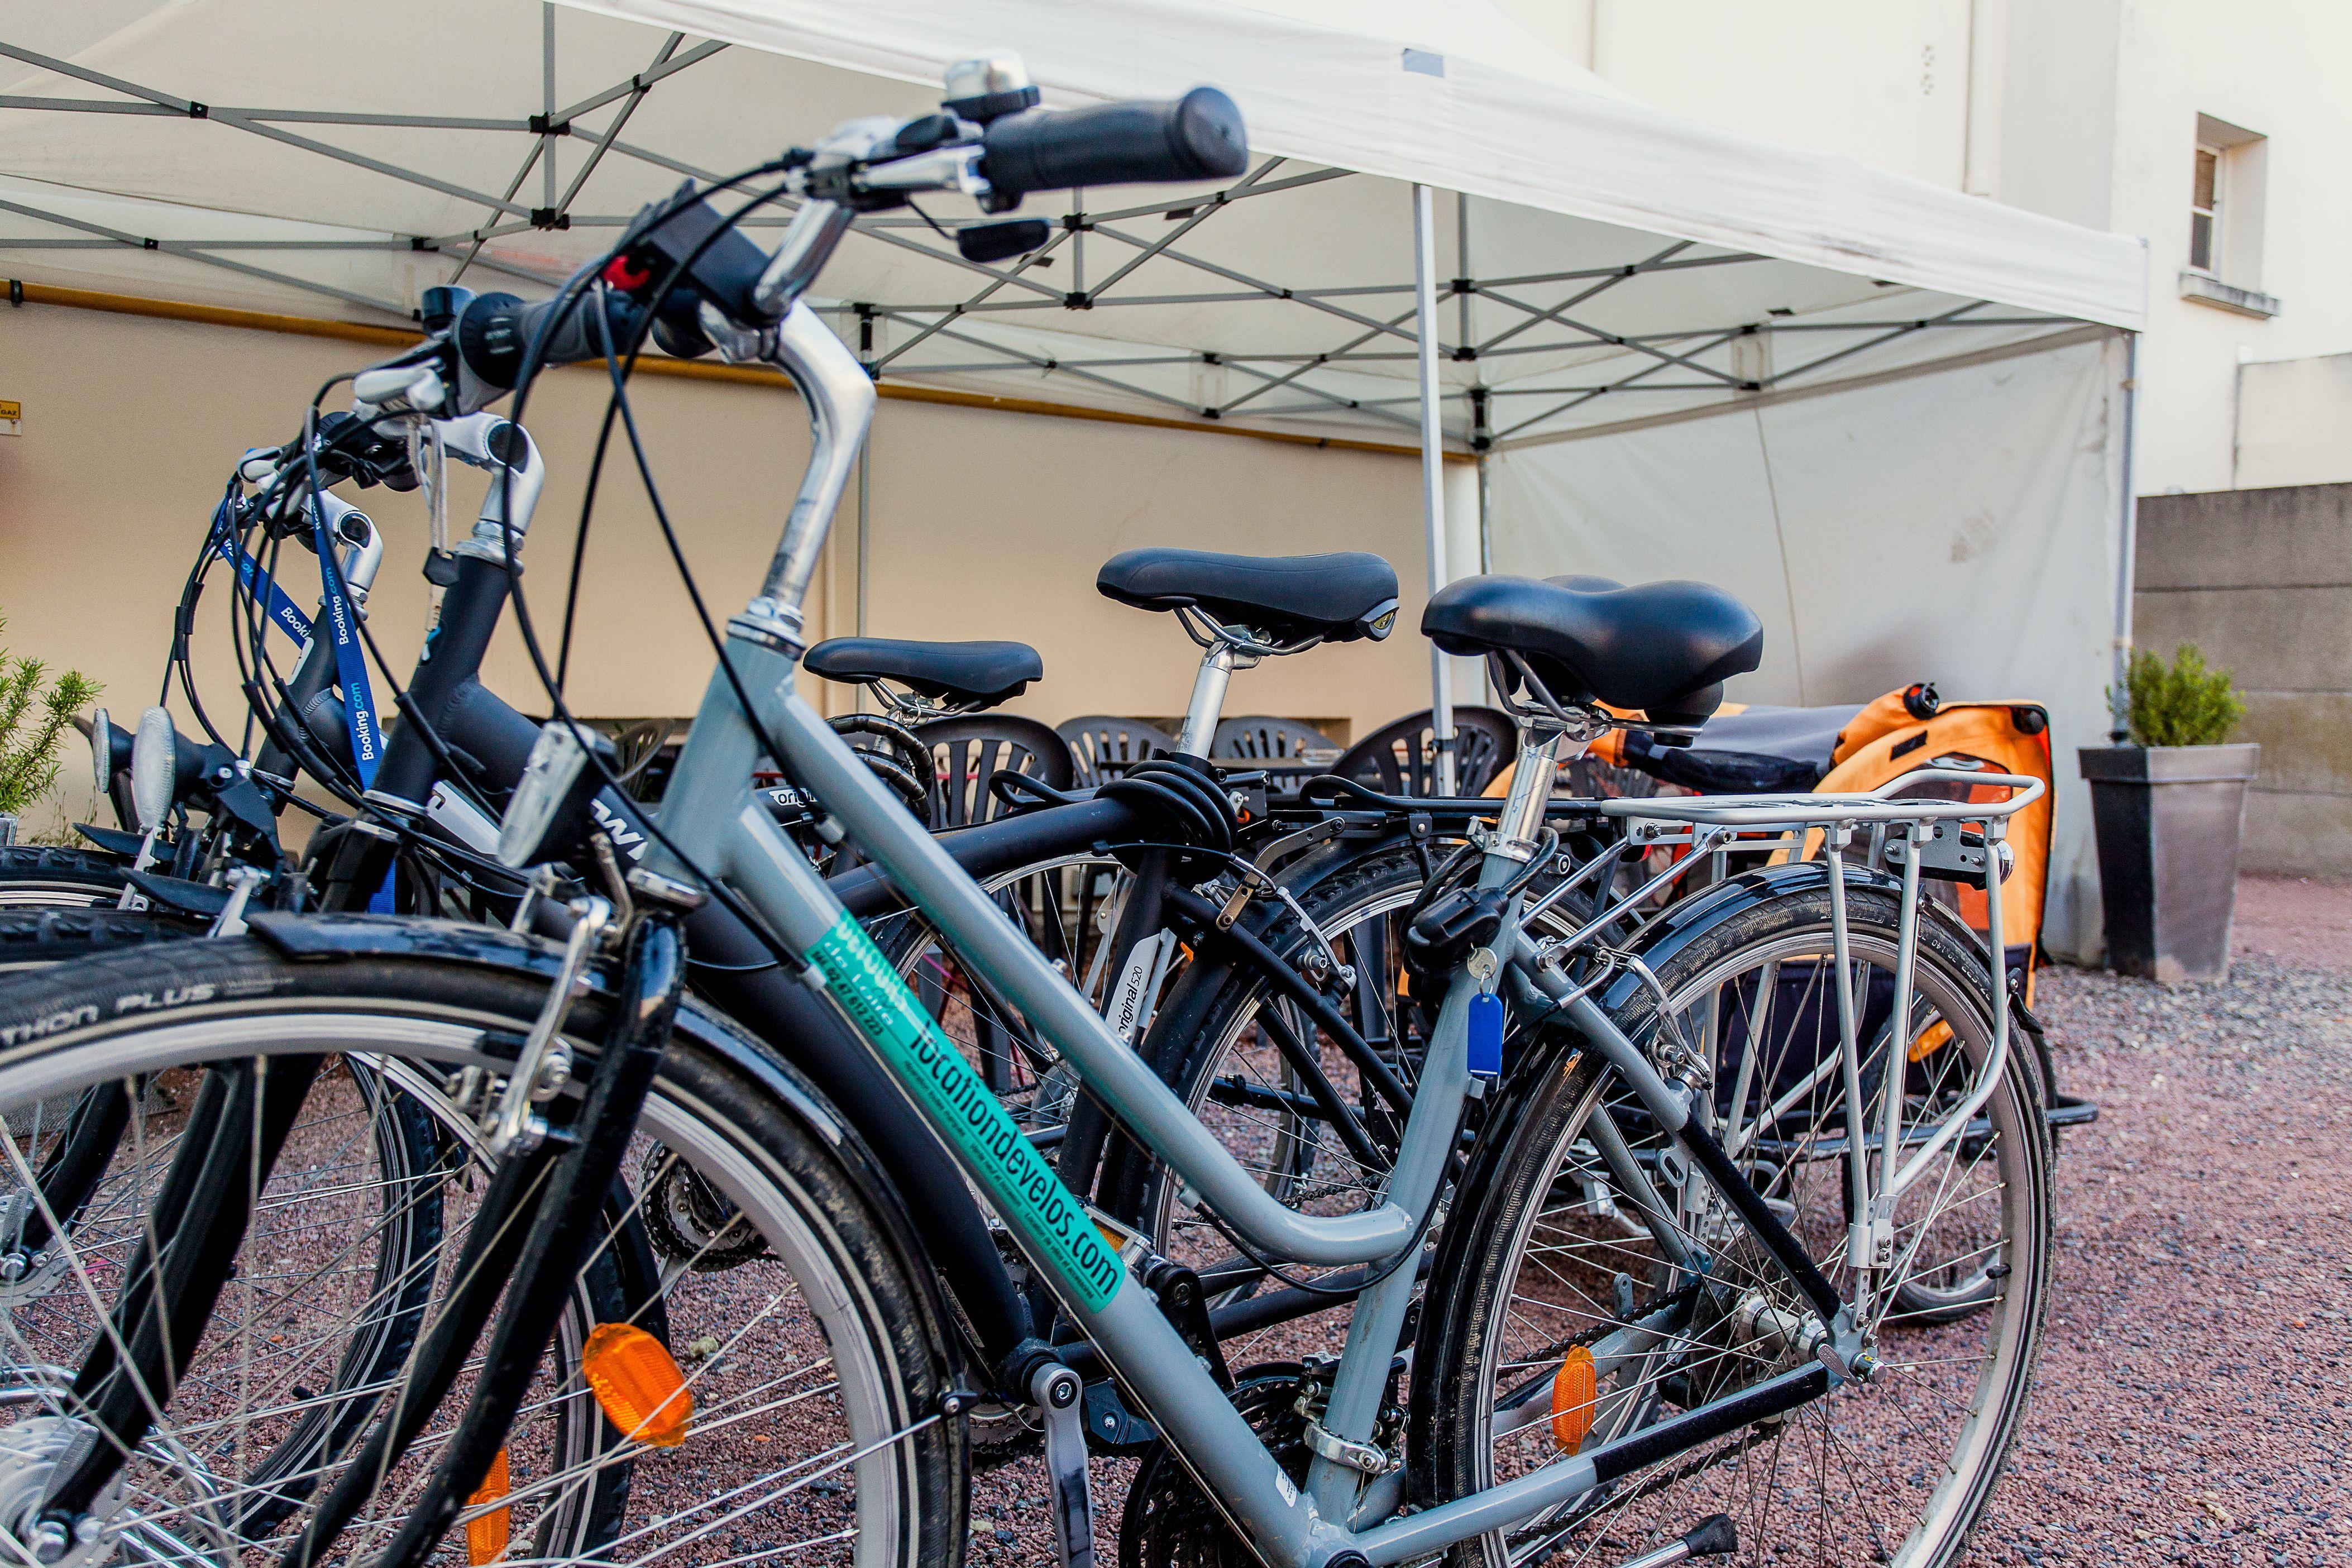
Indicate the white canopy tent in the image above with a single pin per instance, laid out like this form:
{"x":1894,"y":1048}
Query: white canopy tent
{"x":1888,"y":415}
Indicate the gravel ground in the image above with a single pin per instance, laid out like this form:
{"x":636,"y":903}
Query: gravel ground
{"x":2195,"y":1399}
{"x":2195,"y":1396}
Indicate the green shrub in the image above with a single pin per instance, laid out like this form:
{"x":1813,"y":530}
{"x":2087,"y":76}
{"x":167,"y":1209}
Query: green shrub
{"x":35,"y":711}
{"x":2183,"y":703}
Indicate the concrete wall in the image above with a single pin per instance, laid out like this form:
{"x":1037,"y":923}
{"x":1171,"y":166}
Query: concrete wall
{"x":2294,"y":422}
{"x":983,"y":524}
{"x":2261,"y":580}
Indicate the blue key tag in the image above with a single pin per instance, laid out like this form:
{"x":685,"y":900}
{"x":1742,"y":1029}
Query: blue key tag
{"x":1485,"y":1023}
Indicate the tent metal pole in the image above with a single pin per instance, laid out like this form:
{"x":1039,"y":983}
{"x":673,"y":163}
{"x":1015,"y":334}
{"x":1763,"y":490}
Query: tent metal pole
{"x":547,"y":104}
{"x":1433,"y":466}
{"x":2127,"y":543}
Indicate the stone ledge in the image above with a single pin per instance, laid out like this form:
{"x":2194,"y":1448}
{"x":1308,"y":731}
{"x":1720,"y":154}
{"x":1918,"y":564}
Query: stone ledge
{"x":2207,"y":289}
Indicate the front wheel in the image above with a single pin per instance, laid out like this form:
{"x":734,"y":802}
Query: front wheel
{"x":807,"y":1342}
{"x":1577,"y":1313}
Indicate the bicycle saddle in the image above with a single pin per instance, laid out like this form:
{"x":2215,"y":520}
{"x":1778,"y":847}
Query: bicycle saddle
{"x":969,"y":674}
{"x":1286,"y":598}
{"x":1663,"y":647}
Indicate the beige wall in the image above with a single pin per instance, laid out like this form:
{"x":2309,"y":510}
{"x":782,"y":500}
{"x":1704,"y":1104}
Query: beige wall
{"x":994,"y":525}
{"x":1886,"y":84}
{"x":983,"y":524}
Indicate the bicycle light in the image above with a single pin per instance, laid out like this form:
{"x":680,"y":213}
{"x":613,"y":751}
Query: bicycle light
{"x":639,"y":1384}
{"x":550,"y":804}
{"x":155,"y":768}
{"x":110,"y":752}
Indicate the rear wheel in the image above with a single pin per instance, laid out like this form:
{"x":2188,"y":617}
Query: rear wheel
{"x":1551,"y":1262}
{"x":813,"y":1358}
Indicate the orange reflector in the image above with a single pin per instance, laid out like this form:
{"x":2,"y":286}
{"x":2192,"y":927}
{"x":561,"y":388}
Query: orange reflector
{"x":1574,"y":1390}
{"x":639,"y":1384}
{"x":486,"y":1537}
{"x":1931,"y":1039}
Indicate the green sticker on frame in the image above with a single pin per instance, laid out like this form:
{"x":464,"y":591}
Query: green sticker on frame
{"x":1015,"y":1177}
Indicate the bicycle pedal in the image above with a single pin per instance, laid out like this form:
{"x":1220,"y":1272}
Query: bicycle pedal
{"x":1111,"y":1427}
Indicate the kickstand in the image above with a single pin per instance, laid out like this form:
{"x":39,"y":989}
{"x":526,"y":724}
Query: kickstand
{"x":1059,"y":1394}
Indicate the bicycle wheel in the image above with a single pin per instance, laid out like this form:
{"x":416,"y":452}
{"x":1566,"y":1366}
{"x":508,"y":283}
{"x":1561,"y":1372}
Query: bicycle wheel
{"x":1551,"y":1265}
{"x":1225,"y":1031}
{"x":32,"y":936}
{"x":813,"y":1361}
{"x":88,"y":1149}
{"x":37,"y":877}
{"x":1069,"y":907}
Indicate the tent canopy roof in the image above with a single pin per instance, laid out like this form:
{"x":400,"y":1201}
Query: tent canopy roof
{"x":1615,"y":261}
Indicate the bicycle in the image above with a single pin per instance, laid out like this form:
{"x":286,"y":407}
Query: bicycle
{"x":1804,"y":1341}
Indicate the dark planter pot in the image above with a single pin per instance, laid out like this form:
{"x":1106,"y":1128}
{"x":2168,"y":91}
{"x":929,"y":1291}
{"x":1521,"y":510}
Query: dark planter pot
{"x":2167,"y":819}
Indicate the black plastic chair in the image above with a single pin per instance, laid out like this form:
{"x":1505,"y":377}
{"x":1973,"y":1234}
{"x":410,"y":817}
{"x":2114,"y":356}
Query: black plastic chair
{"x":1289,"y":751}
{"x":1402,"y":758}
{"x":967,"y":751}
{"x":1261,"y":738}
{"x":1104,"y":747}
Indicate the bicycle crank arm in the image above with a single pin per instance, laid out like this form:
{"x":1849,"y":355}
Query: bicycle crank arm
{"x":1059,"y":1396}
{"x":1711,"y":1537}
{"x":564,"y":1231}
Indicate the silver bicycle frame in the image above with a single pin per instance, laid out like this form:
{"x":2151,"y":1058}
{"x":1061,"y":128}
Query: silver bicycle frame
{"x":711,"y":814}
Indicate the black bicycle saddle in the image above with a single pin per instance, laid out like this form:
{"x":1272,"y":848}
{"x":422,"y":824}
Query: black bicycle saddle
{"x":1287,"y":598}
{"x":1663,"y":647}
{"x":967,"y":674}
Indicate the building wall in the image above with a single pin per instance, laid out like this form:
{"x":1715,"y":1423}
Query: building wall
{"x":2261,"y":582}
{"x":982,"y":525}
{"x":2271,"y":68}
{"x":2085,"y":111}
{"x":2293,"y":424}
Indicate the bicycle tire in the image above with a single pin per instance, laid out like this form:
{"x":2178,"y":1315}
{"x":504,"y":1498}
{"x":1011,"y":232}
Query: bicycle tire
{"x":740,"y":1119}
{"x":37,"y":876}
{"x":1529,"y":1187}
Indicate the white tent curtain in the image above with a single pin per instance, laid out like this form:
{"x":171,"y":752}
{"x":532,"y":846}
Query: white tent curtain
{"x":1943,"y":527}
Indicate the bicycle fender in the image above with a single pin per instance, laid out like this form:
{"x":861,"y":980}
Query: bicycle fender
{"x":1685,"y":921}
{"x":318,"y":937}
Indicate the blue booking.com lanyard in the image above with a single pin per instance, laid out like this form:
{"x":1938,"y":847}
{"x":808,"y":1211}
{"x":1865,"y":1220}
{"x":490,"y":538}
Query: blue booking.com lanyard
{"x":281,"y":609}
{"x":351,"y":661}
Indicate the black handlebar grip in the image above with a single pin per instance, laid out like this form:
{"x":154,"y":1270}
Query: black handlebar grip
{"x":1196,"y":137}
{"x":496,"y":329}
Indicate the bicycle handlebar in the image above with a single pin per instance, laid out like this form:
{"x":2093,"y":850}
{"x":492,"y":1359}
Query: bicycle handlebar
{"x":494,"y":330}
{"x":1196,"y":137}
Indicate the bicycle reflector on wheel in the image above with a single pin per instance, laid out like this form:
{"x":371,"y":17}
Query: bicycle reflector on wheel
{"x":486,"y":1534}
{"x":635,"y":1379}
{"x":1575,"y":1389}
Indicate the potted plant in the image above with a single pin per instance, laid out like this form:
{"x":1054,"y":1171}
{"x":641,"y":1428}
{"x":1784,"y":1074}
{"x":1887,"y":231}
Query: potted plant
{"x":2168,"y":809}
{"x":35,"y":710}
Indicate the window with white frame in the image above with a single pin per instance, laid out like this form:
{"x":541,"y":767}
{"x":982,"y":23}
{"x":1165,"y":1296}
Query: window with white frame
{"x":2224,"y":264}
{"x":2205,"y":210}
